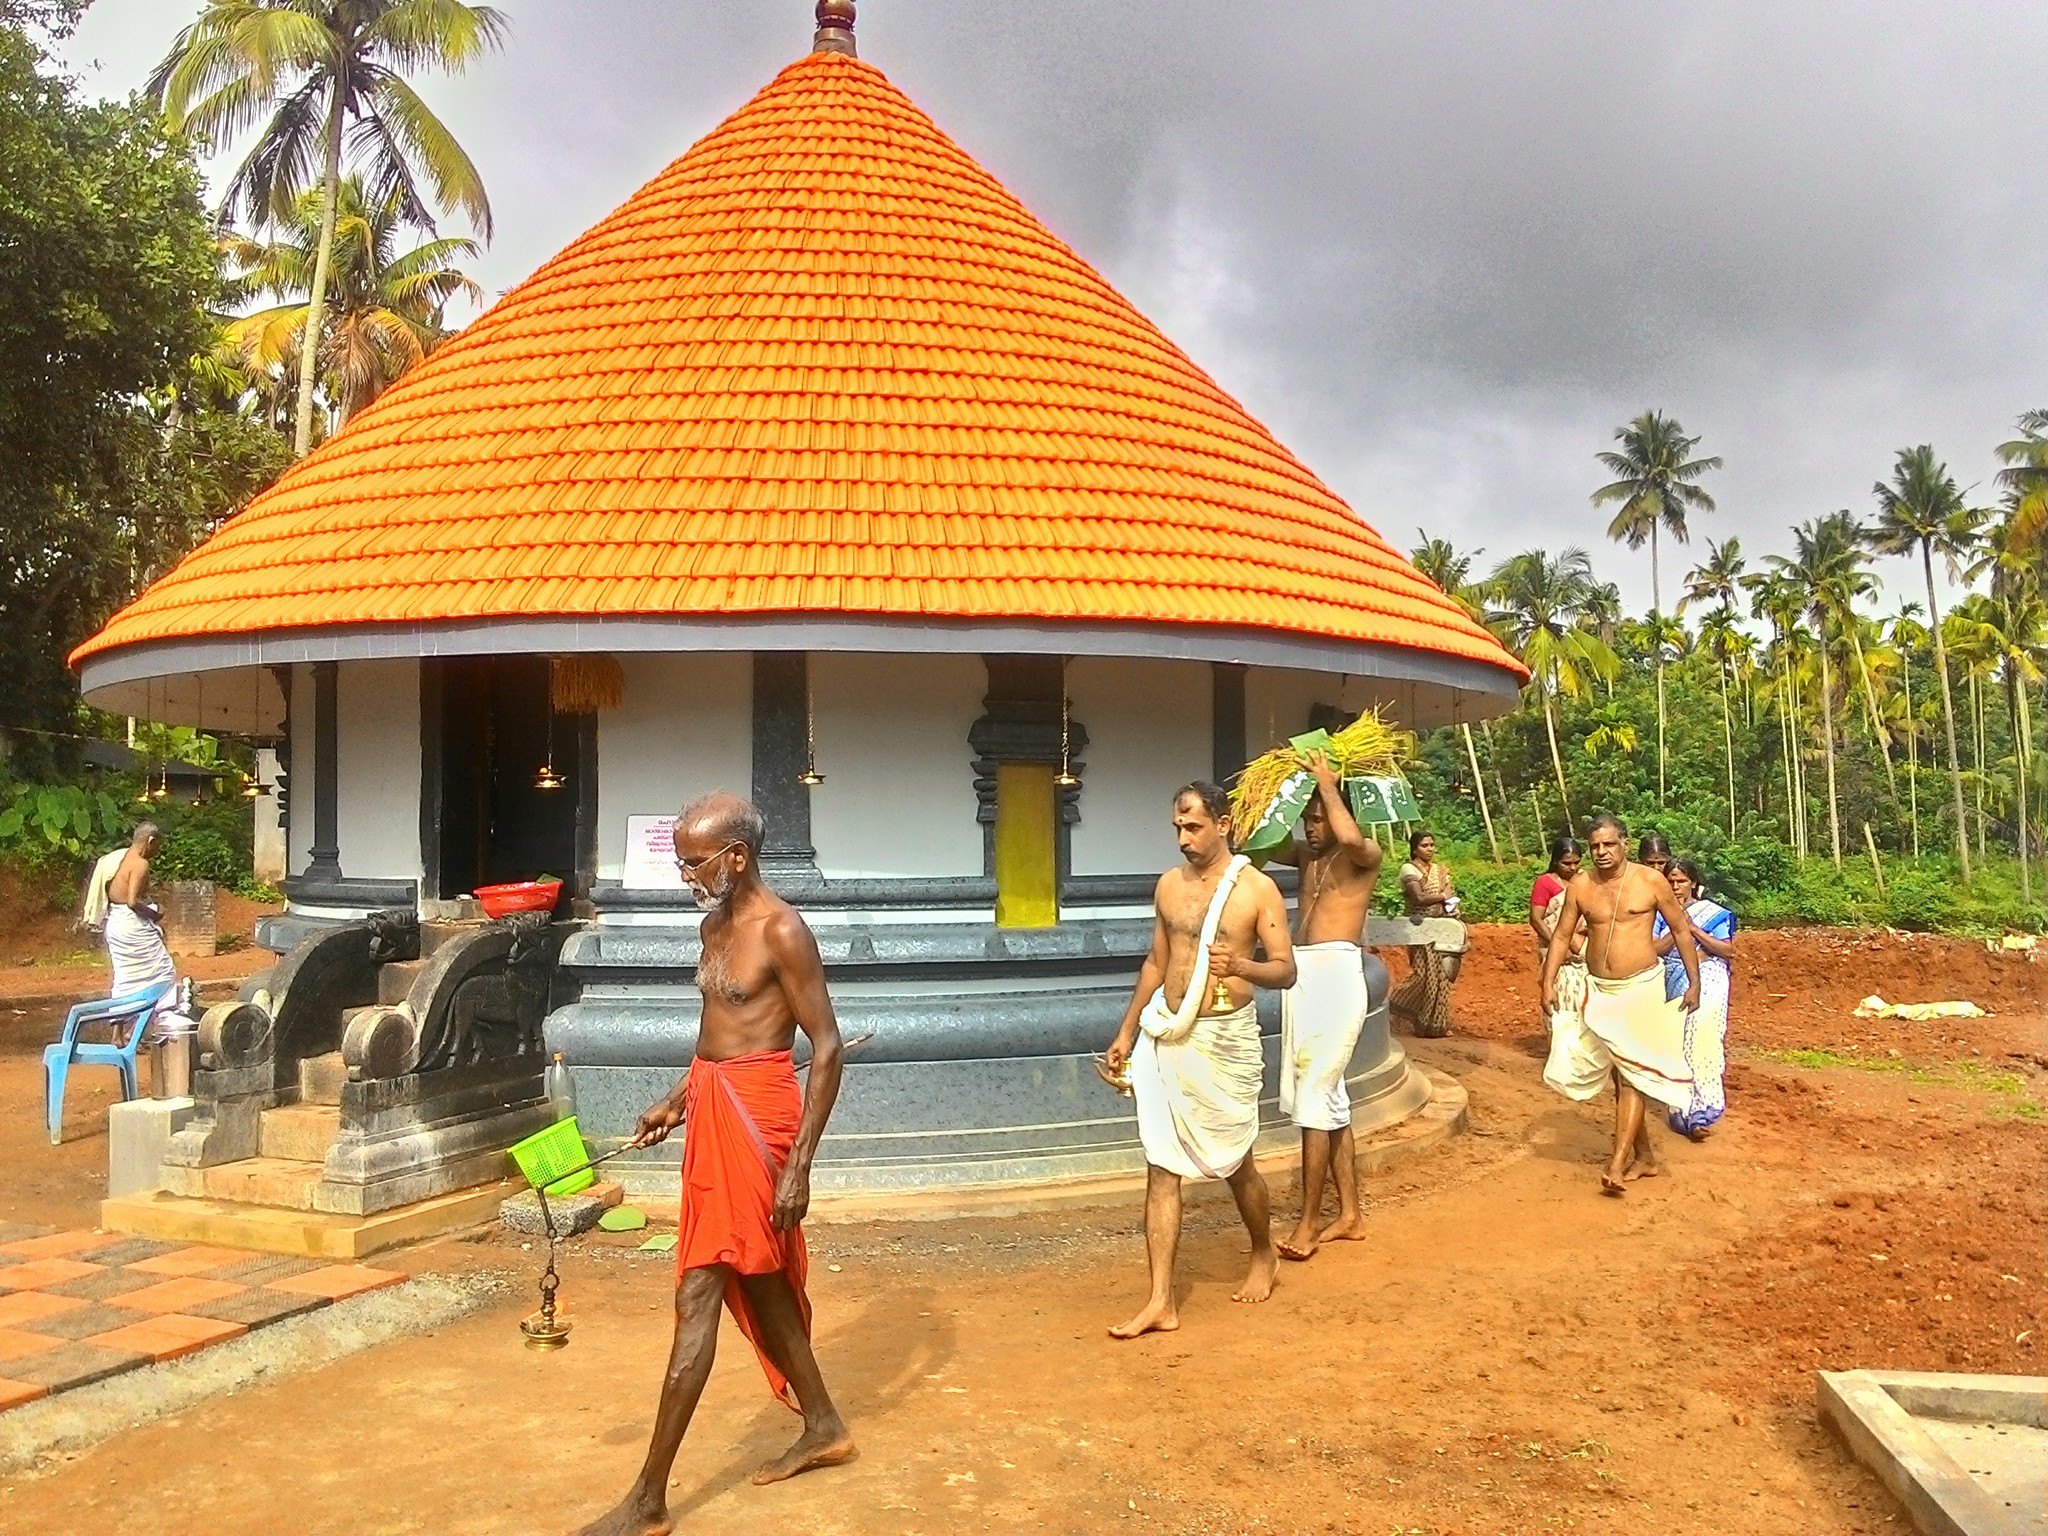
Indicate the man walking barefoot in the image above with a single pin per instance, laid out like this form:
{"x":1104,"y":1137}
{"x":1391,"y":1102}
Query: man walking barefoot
{"x":1191,"y":1040}
{"x":1627,"y":1030}
{"x":746,"y":1156}
{"x":1322,"y":1013}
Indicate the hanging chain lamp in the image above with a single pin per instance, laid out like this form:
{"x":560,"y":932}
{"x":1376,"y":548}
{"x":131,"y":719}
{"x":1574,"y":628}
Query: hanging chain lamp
{"x":1065,"y":777}
{"x":810,"y":778}
{"x":547,"y":779}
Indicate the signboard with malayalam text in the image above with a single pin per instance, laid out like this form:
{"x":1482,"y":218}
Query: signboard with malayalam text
{"x":651,"y":855}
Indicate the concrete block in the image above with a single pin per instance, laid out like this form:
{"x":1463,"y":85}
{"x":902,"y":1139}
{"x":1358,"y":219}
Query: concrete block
{"x":574,"y":1214}
{"x":139,"y":1133}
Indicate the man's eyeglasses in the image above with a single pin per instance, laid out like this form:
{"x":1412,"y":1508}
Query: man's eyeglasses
{"x":689,"y":867}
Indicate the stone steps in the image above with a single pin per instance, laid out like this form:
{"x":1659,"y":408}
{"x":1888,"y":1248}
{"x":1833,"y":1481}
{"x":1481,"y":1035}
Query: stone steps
{"x":321,"y":1077}
{"x":395,"y":979}
{"x":298,"y":1133}
{"x":277,"y":1182}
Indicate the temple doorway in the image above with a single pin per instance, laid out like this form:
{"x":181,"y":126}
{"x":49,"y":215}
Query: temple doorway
{"x":513,"y":776}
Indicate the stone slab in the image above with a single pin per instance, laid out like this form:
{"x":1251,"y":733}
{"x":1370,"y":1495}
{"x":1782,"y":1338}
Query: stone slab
{"x":131,"y":1250}
{"x":1939,"y":1496}
{"x":298,"y":1132}
{"x":321,"y":1078}
{"x":21,"y":1307}
{"x":573,"y":1214}
{"x":139,"y":1133}
{"x":300,"y":1234}
{"x":186,"y":1260}
{"x":73,"y":1365}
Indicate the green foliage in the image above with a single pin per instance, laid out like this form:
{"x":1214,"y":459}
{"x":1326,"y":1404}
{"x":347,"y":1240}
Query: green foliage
{"x":199,"y":853}
{"x":43,"y":823}
{"x":109,"y":267}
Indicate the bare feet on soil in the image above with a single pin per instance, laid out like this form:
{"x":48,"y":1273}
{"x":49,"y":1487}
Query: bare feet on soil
{"x":1300,"y":1244}
{"x":1258,"y":1283}
{"x":1345,"y":1229}
{"x":632,"y":1518}
{"x":826,"y":1446}
{"x":1157,"y":1317}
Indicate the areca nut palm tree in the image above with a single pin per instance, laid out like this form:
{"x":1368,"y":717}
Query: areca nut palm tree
{"x":1724,"y":640}
{"x":1778,"y":599}
{"x":1536,"y":602}
{"x":1906,"y":632}
{"x":1451,"y":569}
{"x":1656,"y":486}
{"x":324,"y":77}
{"x":1922,"y":511}
{"x":1823,"y":569}
{"x":385,"y":306}
{"x":1718,"y":579}
{"x":1850,"y":582}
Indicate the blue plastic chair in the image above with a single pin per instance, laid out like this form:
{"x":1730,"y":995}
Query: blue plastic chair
{"x":70,"y":1051}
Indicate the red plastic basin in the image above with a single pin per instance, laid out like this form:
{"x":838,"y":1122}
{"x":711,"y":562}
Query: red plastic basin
{"x":519,"y":896}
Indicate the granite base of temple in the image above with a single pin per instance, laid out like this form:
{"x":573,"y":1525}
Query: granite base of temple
{"x":976,"y":1074}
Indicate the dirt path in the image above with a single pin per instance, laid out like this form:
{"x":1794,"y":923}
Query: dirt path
{"x":1509,"y":1353}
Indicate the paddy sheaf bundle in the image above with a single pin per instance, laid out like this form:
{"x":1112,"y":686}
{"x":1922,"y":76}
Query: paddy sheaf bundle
{"x":583,"y":685}
{"x":1366,"y":748}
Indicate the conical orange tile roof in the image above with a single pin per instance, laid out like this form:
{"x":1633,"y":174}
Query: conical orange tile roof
{"x":822,"y":364}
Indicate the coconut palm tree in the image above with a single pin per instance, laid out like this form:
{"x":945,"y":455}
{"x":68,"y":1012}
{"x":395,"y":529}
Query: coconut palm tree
{"x":1536,"y":599}
{"x":1852,"y":581}
{"x":325,"y":77}
{"x":1922,"y":511}
{"x":1656,"y":485}
{"x":385,"y":306}
{"x":1970,"y":633}
{"x":2025,"y":479}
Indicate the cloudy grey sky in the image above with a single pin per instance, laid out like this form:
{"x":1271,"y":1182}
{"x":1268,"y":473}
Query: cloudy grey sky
{"x":1442,"y":251}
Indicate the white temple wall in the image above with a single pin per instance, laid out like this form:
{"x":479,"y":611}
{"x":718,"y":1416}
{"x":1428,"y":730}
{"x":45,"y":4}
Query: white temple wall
{"x":377,"y":744}
{"x":1148,"y":733}
{"x":891,"y":733}
{"x":684,"y":729}
{"x":299,"y":786}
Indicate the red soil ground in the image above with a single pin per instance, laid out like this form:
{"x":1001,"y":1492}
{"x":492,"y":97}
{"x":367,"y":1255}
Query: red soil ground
{"x":1509,"y":1352}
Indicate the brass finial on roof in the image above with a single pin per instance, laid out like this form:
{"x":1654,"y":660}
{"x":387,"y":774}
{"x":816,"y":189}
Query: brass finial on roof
{"x":835,"y":28}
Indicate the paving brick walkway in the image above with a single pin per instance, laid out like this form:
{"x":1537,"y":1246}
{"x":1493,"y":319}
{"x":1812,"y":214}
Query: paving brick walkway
{"x":78,"y":1307}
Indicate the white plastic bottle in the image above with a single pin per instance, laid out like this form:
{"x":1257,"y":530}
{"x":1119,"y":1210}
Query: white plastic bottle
{"x":560,"y":1087}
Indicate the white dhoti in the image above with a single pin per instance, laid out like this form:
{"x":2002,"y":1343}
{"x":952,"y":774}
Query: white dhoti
{"x":1320,"y":1017}
{"x":136,"y":947}
{"x":1626,"y":1026}
{"x":1198,"y":1095}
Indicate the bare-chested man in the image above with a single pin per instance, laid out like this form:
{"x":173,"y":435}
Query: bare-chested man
{"x":746,"y":1154}
{"x":1191,"y":1040}
{"x":135,"y":925}
{"x":1322,"y":1013}
{"x":1629,"y":1031}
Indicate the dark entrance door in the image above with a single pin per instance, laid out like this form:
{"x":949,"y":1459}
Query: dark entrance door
{"x":497,"y":734}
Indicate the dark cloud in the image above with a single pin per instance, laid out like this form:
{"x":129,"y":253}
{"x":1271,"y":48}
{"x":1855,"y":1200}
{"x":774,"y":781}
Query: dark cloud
{"x":1441,"y":250}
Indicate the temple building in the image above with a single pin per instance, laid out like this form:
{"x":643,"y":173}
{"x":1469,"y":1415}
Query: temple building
{"x":821,"y":470}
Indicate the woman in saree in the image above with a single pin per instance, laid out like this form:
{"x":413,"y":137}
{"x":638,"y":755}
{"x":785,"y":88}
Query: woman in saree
{"x":1706,"y":1027}
{"x":1546,"y":905}
{"x":1426,"y":891}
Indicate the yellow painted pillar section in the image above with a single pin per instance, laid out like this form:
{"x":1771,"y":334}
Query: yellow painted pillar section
{"x":1027,"y":847}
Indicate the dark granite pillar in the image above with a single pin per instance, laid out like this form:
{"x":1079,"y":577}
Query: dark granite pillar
{"x":325,"y":853}
{"x":781,"y":696}
{"x":1226,"y":718}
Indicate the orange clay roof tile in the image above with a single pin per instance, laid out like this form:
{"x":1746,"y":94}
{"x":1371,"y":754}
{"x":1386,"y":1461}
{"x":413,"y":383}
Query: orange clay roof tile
{"x":823,"y":363}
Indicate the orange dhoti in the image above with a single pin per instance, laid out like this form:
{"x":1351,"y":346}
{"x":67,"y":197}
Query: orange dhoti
{"x":740,"y":1119}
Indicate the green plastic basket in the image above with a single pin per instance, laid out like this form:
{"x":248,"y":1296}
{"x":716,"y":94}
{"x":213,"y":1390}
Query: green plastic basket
{"x":544,"y":1156}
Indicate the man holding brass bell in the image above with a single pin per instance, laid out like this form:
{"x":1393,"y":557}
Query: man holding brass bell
{"x":1190,"y":1042}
